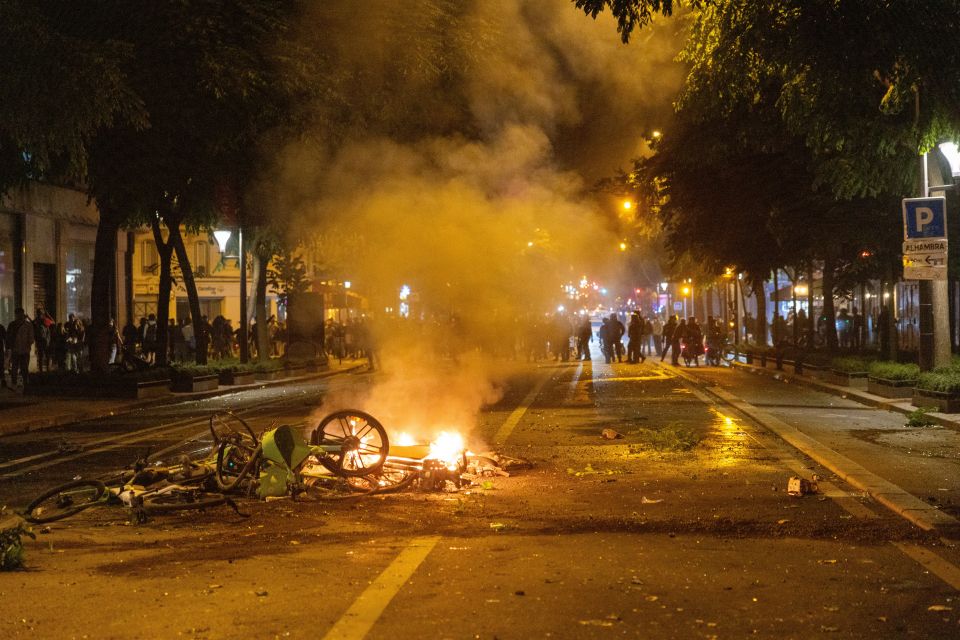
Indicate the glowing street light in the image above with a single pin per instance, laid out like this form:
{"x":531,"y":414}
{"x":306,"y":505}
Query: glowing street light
{"x":623,"y":246}
{"x":952,"y":154}
{"x":222,"y":236}
{"x":627,"y":205}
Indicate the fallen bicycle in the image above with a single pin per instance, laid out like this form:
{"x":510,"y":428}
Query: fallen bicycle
{"x":146,"y":489}
{"x":349,"y":454}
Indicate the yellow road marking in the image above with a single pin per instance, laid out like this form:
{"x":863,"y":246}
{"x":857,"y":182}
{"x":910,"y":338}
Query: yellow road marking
{"x":507,"y":427}
{"x":357,"y":621}
{"x":933,"y":563}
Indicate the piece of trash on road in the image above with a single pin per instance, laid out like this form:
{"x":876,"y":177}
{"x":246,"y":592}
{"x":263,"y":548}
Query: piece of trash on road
{"x":497,"y":526}
{"x":646,"y":500}
{"x":797,"y":486}
{"x":597,"y":623}
{"x":611,"y":434}
{"x":939,"y":607}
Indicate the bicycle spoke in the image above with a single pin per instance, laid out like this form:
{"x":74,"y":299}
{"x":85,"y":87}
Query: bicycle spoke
{"x":343,"y":426}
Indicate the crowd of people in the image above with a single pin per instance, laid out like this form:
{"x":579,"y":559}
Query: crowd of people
{"x":63,"y":346}
{"x":646,"y":336}
{"x":57,"y":345}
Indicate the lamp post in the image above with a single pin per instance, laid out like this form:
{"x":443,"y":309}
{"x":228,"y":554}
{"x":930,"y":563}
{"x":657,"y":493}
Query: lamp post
{"x":933,"y":308}
{"x":223,"y":236}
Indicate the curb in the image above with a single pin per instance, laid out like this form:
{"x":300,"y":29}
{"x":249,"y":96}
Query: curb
{"x":891,"y":496}
{"x":48,"y":422}
{"x":857,"y":395}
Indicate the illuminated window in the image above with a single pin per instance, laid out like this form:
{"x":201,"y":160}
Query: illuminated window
{"x":201,"y":259}
{"x":149,"y":258}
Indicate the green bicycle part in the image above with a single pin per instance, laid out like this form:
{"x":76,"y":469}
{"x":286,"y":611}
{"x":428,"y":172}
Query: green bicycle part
{"x":285,"y":446}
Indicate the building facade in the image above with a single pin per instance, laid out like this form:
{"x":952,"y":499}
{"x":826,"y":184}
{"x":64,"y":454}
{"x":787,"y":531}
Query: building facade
{"x":47,"y":237}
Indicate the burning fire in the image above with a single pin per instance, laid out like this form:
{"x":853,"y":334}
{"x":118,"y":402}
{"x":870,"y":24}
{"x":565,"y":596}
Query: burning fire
{"x":448,"y":448}
{"x":404,"y":440}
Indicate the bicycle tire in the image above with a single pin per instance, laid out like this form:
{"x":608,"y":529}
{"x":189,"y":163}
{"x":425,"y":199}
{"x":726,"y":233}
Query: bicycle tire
{"x":349,"y":488}
{"x":31,"y":513}
{"x":171,"y":503}
{"x":232,"y":423}
{"x":395,"y":480}
{"x":353,"y":463}
{"x":728,"y":354}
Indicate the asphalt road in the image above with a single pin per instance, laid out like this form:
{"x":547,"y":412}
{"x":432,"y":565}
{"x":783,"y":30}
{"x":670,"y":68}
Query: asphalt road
{"x":680,"y":529}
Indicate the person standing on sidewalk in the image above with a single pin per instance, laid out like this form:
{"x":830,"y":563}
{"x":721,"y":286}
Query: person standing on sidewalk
{"x":73,"y":337}
{"x":20,"y":339}
{"x":42,"y":324}
{"x":656,"y":331}
{"x":668,"y":330}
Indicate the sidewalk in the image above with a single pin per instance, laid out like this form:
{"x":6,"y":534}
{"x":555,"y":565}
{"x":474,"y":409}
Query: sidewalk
{"x":901,"y":405}
{"x":827,"y":446}
{"x":21,"y":414}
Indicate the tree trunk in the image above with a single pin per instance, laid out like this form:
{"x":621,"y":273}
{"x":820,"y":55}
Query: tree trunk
{"x":104,"y":273}
{"x":759,"y":291}
{"x":829,"y":311}
{"x":165,"y":251}
{"x":888,"y":326}
{"x":261,"y":262}
{"x":189,"y":284}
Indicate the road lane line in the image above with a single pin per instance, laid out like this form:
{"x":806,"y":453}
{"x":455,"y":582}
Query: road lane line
{"x":507,"y":427}
{"x":357,"y":621}
{"x":933,"y":563}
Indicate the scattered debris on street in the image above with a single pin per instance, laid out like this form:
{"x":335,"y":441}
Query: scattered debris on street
{"x":11,"y":545}
{"x":798,"y":487}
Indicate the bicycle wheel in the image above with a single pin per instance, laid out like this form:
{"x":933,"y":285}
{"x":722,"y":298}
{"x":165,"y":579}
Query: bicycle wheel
{"x":729,"y":354}
{"x":392,"y":480}
{"x":64,"y":501}
{"x":339,"y":487}
{"x":234,"y":463}
{"x":226,"y":425}
{"x":362,"y":439}
{"x":181,"y":500}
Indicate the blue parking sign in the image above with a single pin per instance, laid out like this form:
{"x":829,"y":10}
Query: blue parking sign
{"x":924,"y":218}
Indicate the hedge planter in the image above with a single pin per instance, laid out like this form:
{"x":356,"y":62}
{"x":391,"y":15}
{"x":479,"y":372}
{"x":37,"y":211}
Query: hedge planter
{"x":298,"y":370}
{"x":890,"y":388}
{"x":275,"y":374}
{"x":192,"y":384}
{"x":848,"y":378}
{"x":943,"y":401}
{"x":126,"y":389}
{"x":814,"y":371}
{"x":236,"y":377}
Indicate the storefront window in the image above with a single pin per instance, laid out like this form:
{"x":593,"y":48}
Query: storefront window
{"x":79,"y":278}
{"x":8,"y":269}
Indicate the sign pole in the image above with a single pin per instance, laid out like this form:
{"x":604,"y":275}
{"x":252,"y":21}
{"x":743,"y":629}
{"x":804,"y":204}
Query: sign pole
{"x":925,"y":260}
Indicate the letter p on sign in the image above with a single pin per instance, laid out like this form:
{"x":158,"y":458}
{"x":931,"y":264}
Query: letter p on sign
{"x":924,"y":218}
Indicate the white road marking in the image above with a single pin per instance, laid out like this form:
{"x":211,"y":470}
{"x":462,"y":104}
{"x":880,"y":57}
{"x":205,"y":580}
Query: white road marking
{"x":357,"y":621}
{"x":514,"y":418}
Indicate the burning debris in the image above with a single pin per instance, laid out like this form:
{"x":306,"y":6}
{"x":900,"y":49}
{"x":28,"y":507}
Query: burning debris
{"x":444,"y":464}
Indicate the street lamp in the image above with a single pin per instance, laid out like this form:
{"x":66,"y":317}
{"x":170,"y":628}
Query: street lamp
{"x":952,"y":154}
{"x":223,"y":236}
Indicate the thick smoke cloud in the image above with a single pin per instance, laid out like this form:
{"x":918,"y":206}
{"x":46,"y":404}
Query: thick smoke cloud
{"x":457,"y":144}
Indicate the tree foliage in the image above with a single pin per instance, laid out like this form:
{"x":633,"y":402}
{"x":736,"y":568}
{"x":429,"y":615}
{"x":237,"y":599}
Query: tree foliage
{"x":630,"y":14}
